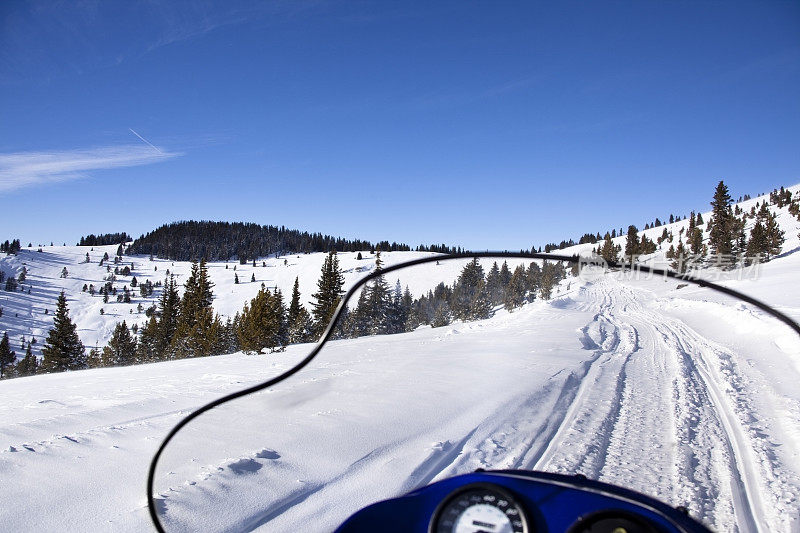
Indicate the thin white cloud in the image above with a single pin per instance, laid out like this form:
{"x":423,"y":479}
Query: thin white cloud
{"x":24,"y":169}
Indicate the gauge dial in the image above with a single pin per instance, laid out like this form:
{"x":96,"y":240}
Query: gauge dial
{"x":480,"y":509}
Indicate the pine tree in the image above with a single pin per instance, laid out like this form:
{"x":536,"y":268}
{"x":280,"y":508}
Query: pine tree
{"x":63,"y":349}
{"x":646,"y":246}
{"x":263,"y":323}
{"x":294,"y":304}
{"x":551,"y":275}
{"x":505,"y":274}
{"x":121,"y":348}
{"x":442,"y":314}
{"x":94,"y":359}
{"x":398,"y":312}
{"x":723,"y":227}
{"x":609,"y":251}
{"x":359,"y":319}
{"x":696,"y":242}
{"x":378,"y":301}
{"x":7,"y":357}
{"x":298,"y":319}
{"x":533,"y":281}
{"x":28,"y":365}
{"x":680,"y":258}
{"x":632,"y":244}
{"x":516,"y":290}
{"x":774,"y":236}
{"x":494,"y":285}
{"x":168,"y":312}
{"x":766,"y":237}
{"x":193,"y":336}
{"x":329,"y":293}
{"x":470,"y":298}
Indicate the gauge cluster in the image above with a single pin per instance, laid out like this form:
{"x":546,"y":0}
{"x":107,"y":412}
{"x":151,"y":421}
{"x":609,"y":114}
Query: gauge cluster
{"x":480,"y":507}
{"x":515,"y":501}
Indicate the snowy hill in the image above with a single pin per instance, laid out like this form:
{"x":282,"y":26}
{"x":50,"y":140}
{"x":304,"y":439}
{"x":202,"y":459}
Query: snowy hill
{"x":30,"y":315}
{"x":788,"y":223}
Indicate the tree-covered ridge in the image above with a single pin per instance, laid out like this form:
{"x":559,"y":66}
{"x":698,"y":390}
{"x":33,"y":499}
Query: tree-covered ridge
{"x":104,"y":239}
{"x":223,"y":241}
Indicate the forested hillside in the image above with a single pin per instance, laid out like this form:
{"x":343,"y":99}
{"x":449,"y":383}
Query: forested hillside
{"x":224,"y":241}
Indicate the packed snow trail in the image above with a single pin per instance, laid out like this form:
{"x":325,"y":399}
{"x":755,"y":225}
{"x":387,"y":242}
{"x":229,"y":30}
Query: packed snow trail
{"x":655,"y":416}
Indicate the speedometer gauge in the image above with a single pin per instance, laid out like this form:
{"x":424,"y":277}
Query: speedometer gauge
{"x":480,"y":508}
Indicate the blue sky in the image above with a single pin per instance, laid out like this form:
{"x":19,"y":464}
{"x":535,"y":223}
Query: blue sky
{"x":489,"y":125}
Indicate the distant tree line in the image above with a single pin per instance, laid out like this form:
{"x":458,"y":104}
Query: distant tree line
{"x":104,"y":239}
{"x":10,"y":247}
{"x":223,"y":241}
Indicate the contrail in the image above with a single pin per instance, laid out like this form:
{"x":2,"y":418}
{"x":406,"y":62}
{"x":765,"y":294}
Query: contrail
{"x":145,"y":140}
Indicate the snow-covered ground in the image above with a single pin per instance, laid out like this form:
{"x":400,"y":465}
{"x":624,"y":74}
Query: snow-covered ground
{"x":676,"y":392}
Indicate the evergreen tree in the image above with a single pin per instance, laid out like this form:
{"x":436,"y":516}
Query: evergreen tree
{"x":146,"y":347}
{"x":470,"y":298}
{"x":398,"y":311}
{"x":7,"y":357}
{"x":329,"y":293}
{"x":766,"y":237}
{"x":121,"y":348}
{"x":632,"y":244}
{"x":505,"y":274}
{"x":358,"y":324}
{"x":442,"y":314}
{"x":495,"y":286}
{"x":609,"y":251}
{"x":168,"y":312}
{"x":723,"y":227}
{"x":294,"y":304}
{"x":680,"y":257}
{"x":94,"y":359}
{"x":28,"y":365}
{"x":299,"y":320}
{"x":193,"y":335}
{"x":516,"y":289}
{"x":646,"y":246}
{"x":263,"y":323}
{"x":533,"y":281}
{"x":552,"y":273}
{"x":63,"y":349}
{"x":696,"y":242}
{"x":378,"y":301}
